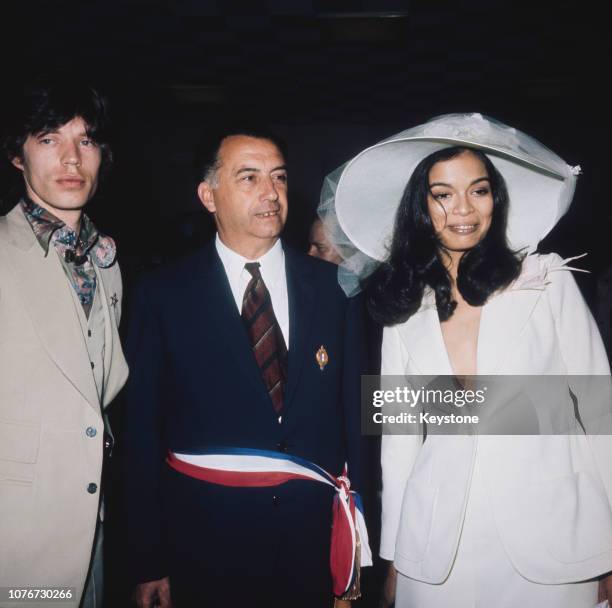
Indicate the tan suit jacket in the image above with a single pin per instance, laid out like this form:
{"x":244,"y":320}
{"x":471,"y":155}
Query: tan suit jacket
{"x":51,"y":425}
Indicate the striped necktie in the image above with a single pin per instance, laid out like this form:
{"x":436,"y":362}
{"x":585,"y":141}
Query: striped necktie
{"x":265,"y":336}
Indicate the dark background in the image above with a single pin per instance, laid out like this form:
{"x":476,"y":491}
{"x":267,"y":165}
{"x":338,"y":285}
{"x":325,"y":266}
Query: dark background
{"x":332,"y":78}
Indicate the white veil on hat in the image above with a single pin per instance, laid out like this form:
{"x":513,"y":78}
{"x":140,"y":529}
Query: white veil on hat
{"x":360,"y":199}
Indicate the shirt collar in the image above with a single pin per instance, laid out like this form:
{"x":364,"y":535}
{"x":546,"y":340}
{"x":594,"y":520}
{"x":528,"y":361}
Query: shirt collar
{"x":47,"y":228}
{"x":43,"y":223}
{"x":272,"y":263}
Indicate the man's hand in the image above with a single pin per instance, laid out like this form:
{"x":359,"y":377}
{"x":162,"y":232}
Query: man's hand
{"x":605,"y":589}
{"x":342,"y":603}
{"x":153,"y":594}
{"x":387,"y":599}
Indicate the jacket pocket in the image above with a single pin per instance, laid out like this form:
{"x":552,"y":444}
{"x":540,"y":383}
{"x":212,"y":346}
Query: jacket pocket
{"x":19,"y":441}
{"x":416,"y":521}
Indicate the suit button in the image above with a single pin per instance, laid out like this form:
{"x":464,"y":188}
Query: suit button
{"x":275,"y":501}
{"x":90,"y":431}
{"x":282,"y":446}
{"x":92,"y":488}
{"x":92,"y":364}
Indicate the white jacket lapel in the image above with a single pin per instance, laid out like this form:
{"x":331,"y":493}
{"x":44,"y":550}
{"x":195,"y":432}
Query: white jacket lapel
{"x":501,"y":326}
{"x":424,"y":342}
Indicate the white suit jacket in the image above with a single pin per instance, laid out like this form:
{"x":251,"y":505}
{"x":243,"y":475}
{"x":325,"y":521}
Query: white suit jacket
{"x":51,"y":426}
{"x":550,"y":495}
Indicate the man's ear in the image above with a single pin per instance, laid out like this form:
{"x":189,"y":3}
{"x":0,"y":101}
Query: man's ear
{"x":17,"y":162}
{"x":206,"y":196}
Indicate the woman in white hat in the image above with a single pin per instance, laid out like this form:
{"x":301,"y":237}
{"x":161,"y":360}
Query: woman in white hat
{"x":447,"y":215}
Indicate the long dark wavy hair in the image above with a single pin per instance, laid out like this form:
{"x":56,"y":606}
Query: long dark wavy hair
{"x":395,"y":290}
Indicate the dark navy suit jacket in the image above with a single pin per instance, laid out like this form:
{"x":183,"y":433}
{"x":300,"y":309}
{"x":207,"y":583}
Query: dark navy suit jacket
{"x":194,"y":383}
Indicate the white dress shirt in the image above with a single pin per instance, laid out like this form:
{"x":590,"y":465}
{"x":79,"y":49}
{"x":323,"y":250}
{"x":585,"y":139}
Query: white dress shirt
{"x":272,"y":268}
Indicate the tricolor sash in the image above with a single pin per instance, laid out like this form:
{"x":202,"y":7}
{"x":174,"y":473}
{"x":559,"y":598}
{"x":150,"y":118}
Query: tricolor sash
{"x":249,"y":468}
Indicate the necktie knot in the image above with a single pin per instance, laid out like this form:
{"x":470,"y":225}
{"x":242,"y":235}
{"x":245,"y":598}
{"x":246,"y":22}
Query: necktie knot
{"x":253,"y":269}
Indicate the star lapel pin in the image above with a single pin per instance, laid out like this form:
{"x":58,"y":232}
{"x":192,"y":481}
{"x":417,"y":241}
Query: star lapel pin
{"x":322,"y":358}
{"x":114,"y":300}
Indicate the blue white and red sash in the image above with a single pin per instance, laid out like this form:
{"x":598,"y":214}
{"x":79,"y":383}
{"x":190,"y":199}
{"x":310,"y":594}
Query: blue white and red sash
{"x":249,"y":468}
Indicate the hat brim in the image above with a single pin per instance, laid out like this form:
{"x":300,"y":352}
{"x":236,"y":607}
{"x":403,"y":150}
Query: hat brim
{"x":372,"y":184}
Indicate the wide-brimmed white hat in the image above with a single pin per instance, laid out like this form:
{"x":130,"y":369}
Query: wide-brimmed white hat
{"x":359,"y":200}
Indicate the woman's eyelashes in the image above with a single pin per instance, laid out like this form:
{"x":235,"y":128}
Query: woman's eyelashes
{"x":447,"y":196}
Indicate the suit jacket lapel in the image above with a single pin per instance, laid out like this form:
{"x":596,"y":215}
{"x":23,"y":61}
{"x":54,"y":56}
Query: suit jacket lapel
{"x":300,"y":288}
{"x":424,"y":342}
{"x":114,"y":362}
{"x":47,"y":298}
{"x":503,"y":318}
{"x":501,"y":323}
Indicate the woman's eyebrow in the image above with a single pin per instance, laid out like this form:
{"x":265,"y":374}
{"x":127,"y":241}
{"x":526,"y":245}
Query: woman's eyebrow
{"x":478,"y":179}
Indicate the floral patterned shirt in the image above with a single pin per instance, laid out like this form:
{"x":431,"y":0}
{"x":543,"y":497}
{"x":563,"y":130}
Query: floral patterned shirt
{"x":77,"y":254}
